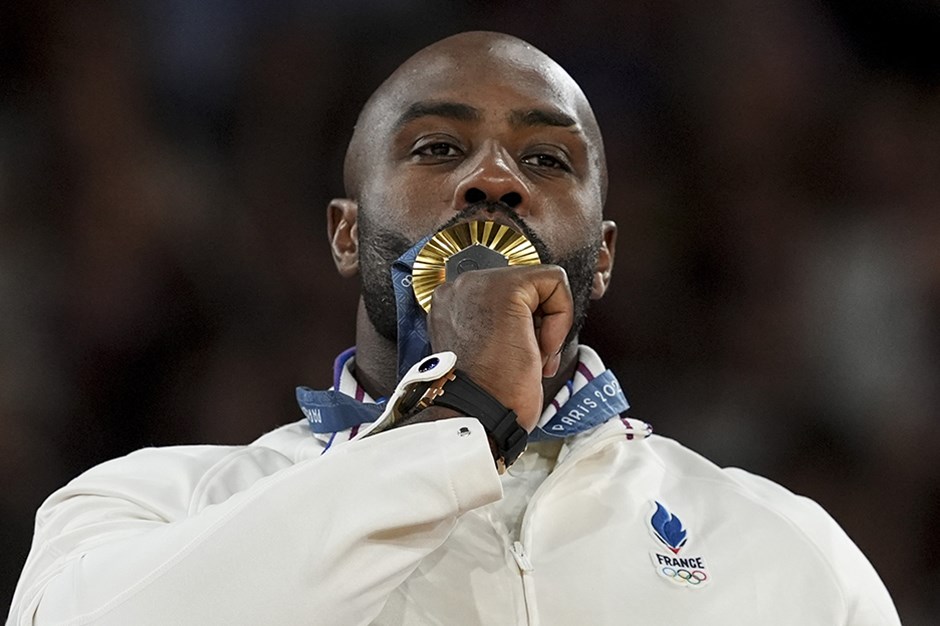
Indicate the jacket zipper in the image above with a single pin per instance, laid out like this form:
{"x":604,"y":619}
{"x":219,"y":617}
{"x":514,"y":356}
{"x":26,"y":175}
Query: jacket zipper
{"x":518,"y":549}
{"x":528,"y":592}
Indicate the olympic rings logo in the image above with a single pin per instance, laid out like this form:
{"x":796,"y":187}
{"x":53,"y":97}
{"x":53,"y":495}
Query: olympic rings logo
{"x":684,"y":576}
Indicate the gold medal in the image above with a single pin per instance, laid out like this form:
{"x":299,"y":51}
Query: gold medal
{"x":465,"y":247}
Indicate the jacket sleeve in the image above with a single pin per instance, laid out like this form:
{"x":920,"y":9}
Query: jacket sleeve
{"x":865,"y":597}
{"x":325,"y":540}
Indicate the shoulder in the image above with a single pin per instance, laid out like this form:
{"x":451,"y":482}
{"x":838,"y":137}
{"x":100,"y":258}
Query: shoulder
{"x":174,"y":481}
{"x":739,"y":492}
{"x":768,"y":517}
{"x":806,"y":517}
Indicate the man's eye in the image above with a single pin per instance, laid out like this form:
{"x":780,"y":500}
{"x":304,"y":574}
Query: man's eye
{"x":546,"y":160}
{"x":437,"y":149}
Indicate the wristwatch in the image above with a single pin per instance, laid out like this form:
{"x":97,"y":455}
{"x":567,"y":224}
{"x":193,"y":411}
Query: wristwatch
{"x":436,"y":381}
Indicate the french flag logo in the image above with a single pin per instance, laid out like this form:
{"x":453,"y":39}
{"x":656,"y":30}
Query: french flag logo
{"x":668,"y":529}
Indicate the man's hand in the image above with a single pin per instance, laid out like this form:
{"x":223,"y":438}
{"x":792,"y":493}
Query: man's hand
{"x":507,"y":327}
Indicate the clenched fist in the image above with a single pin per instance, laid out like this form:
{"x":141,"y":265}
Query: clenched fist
{"x":507,"y":327}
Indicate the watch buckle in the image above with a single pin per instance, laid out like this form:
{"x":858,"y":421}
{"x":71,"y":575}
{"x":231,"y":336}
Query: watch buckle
{"x":435,"y":390}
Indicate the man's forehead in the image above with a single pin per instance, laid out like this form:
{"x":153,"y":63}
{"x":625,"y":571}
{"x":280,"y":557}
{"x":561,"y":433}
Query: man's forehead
{"x":508,"y":75}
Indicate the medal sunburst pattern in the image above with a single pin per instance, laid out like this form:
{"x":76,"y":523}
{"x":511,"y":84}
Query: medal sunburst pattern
{"x":430,"y":265}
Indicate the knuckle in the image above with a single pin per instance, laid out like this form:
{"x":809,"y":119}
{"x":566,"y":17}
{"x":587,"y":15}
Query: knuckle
{"x":560,"y":273}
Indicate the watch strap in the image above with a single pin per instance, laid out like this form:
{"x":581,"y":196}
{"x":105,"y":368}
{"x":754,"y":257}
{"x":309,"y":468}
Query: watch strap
{"x":464,"y":395}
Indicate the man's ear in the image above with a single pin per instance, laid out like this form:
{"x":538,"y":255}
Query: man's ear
{"x":343,"y":231}
{"x":605,"y":260}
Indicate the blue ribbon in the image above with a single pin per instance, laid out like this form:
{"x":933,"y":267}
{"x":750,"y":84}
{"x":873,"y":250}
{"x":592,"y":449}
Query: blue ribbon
{"x":413,"y":342}
{"x":333,"y":411}
{"x":595,"y":403}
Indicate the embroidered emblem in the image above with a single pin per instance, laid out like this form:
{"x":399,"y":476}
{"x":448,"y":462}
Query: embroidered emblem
{"x":668,"y":529}
{"x":687,"y":570}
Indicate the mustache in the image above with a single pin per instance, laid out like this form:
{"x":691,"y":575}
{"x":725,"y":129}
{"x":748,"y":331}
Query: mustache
{"x":478,"y":212}
{"x":383,"y":246}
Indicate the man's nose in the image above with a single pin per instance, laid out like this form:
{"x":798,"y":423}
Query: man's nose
{"x":493,"y":177}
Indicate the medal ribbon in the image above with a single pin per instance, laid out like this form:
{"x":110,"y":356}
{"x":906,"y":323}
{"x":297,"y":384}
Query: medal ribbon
{"x":413,"y":343}
{"x":595,"y":402}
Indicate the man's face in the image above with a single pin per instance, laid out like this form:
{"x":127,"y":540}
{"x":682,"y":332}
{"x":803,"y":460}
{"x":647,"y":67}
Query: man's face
{"x":482,"y":136}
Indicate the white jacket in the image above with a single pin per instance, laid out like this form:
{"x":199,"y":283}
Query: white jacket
{"x":410,"y":527}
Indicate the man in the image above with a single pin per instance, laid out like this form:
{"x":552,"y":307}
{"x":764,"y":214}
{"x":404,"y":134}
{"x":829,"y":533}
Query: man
{"x":403,"y":517}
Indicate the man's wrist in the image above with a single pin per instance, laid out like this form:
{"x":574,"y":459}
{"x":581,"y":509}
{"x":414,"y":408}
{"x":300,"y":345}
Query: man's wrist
{"x":436,"y":383}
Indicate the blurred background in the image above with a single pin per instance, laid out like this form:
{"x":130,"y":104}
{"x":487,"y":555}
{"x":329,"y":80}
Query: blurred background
{"x":775,"y":171}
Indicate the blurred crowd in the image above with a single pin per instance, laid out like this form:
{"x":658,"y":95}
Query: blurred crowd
{"x":775,"y":172}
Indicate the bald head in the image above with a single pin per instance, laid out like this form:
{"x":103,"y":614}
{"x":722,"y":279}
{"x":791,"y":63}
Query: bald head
{"x":461,"y":66}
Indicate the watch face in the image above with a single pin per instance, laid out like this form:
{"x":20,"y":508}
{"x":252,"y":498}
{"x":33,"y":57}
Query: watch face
{"x":465,"y":247}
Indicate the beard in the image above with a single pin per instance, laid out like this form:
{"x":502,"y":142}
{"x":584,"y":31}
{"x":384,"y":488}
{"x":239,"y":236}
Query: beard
{"x":379,"y":248}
